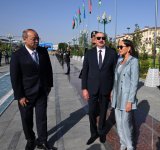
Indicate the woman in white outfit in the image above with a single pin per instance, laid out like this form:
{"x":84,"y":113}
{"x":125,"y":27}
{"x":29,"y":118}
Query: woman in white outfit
{"x":124,"y":93}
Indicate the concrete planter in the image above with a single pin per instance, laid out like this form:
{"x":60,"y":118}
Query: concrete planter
{"x":153,"y":78}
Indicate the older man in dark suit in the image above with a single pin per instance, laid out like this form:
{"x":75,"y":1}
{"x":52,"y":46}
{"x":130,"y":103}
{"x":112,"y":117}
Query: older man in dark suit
{"x":32,"y":79}
{"x":97,"y":82}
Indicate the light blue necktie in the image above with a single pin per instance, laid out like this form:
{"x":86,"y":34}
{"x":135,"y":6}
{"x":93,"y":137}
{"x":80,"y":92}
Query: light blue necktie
{"x":35,"y":57}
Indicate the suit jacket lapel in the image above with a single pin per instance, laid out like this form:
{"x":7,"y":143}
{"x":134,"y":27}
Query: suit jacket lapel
{"x":105,"y":58}
{"x":95,"y":57}
{"x":28,"y":56}
{"x":123,"y":66}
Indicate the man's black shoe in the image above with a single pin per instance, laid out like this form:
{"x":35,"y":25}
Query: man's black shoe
{"x":102,"y":138}
{"x":91,"y":140}
{"x":30,"y":145}
{"x":66,"y":73}
{"x":45,"y":146}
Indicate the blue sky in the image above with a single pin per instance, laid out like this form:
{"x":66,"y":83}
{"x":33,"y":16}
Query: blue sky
{"x":52,"y":19}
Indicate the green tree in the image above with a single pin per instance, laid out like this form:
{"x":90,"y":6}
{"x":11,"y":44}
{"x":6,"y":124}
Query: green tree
{"x":62,"y":46}
{"x":158,"y":42}
{"x":137,"y":36}
{"x":144,"y":53}
{"x":83,"y":40}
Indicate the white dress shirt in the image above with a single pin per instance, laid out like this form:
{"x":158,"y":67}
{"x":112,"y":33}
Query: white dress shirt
{"x":31,"y":52}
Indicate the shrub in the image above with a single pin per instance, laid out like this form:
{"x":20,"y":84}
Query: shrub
{"x":144,"y":66}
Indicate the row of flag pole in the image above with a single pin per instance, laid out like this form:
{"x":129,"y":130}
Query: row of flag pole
{"x":77,"y":17}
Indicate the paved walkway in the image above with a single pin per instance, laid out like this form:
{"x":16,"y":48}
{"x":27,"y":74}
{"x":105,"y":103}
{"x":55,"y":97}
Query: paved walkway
{"x":151,"y":95}
{"x":68,"y":126}
{"x":147,"y":118}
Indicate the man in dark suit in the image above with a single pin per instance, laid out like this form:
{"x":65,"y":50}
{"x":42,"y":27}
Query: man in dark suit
{"x":32,"y":79}
{"x":0,"y":57}
{"x":97,"y":82}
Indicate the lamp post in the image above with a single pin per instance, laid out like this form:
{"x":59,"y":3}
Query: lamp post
{"x":74,"y":40}
{"x":104,"y":20}
{"x":98,"y":19}
{"x":128,"y":28}
{"x":69,"y":42}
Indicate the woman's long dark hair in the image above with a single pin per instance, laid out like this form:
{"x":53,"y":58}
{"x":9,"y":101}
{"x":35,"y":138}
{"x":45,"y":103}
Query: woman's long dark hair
{"x":132,"y":50}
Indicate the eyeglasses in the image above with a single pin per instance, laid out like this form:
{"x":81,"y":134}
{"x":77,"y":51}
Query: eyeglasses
{"x":103,"y":38}
{"x":121,"y":46}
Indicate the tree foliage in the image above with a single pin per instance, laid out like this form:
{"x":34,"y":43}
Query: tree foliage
{"x":158,"y":41}
{"x":62,"y":46}
{"x":137,"y":36}
{"x":83,"y":40}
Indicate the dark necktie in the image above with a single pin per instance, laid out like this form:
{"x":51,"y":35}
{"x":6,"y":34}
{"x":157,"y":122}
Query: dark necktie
{"x":35,"y":57}
{"x":100,"y":59}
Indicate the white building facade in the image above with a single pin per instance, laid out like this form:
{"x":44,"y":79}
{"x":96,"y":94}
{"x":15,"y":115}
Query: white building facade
{"x":147,"y":38}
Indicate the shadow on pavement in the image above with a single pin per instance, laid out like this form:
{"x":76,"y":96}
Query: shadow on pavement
{"x":94,"y":147}
{"x":64,"y":126}
{"x":140,"y":84}
{"x":140,"y":116}
{"x":110,"y":120}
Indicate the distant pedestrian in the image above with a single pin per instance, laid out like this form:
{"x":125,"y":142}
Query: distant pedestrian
{"x":32,"y":79}
{"x":124,"y":92}
{"x":0,"y":58}
{"x":67,"y":60}
{"x":6,"y":57}
{"x":62,"y":58}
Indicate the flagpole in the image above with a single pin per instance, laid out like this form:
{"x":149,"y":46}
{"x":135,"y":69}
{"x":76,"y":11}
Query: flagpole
{"x":155,"y":32}
{"x":98,"y":14}
{"x":90,"y":11}
{"x":115,"y":22}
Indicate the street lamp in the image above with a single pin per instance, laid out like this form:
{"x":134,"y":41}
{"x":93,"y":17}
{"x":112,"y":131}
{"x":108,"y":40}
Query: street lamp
{"x":74,"y":40}
{"x":128,"y":28}
{"x":105,"y":20}
{"x":98,"y":19}
{"x":69,"y":43}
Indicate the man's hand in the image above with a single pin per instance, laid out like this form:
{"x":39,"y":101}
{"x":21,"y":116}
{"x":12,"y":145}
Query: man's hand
{"x":110,"y":96}
{"x":23,"y":102}
{"x":128,"y":106}
{"x":85,"y":94}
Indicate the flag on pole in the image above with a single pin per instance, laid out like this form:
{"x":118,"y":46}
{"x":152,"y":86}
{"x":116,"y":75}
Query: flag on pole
{"x":90,"y":6}
{"x":84,"y":13}
{"x":73,"y":23}
{"x":99,"y":2}
{"x":79,"y":15}
{"x":76,"y":20}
